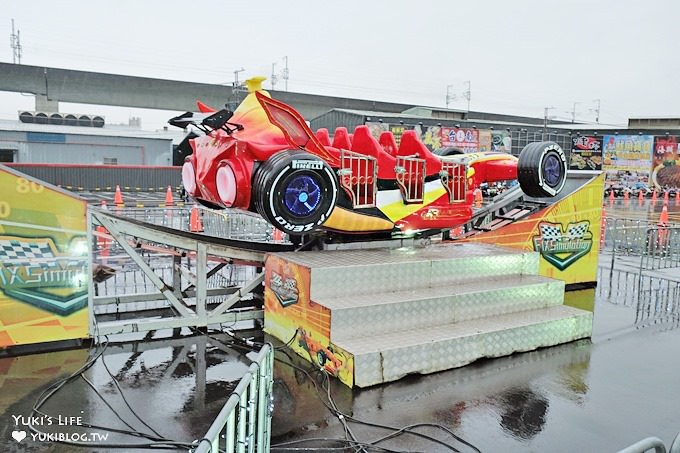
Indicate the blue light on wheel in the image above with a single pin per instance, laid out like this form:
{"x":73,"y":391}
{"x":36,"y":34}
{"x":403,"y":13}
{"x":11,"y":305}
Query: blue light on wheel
{"x":552,"y":171}
{"x":302,"y":195}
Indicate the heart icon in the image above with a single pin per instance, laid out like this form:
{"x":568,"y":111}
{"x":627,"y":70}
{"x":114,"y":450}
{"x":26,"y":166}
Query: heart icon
{"x":19,"y":435}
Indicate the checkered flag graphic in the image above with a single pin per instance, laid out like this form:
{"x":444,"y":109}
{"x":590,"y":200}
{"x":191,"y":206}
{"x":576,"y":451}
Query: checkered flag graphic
{"x":550,"y":232}
{"x":17,"y":252}
{"x":577,"y":230}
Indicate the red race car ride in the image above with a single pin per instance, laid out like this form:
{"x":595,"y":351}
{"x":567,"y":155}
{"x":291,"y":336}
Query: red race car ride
{"x":263,"y":157}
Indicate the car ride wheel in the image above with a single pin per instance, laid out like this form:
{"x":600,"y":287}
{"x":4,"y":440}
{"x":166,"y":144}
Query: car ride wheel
{"x":542,"y":169}
{"x":295,"y":191}
{"x":321,"y":358}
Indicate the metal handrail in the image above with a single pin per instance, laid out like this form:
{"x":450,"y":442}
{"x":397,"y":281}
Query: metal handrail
{"x":646,"y":445}
{"x":244,"y":423}
{"x":653,"y":442}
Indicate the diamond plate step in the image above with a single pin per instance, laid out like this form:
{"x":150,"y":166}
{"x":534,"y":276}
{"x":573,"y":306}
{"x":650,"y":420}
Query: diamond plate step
{"x":371,"y":314}
{"x":390,"y":356}
{"x":338,"y":273}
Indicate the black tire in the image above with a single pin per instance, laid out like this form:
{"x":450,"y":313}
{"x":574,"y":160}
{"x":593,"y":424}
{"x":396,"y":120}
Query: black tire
{"x":295,"y":191}
{"x":542,"y":169}
{"x":321,"y":358}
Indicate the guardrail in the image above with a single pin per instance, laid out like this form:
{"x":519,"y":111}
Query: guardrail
{"x":662,"y":248}
{"x":244,"y":423}
{"x":656,"y":299}
{"x":655,"y":443}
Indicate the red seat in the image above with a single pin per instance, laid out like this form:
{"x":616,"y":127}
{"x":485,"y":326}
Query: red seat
{"x":364,"y":143}
{"x":341,"y":138}
{"x":410,"y":145}
{"x":388,"y":143}
{"x":322,"y":135}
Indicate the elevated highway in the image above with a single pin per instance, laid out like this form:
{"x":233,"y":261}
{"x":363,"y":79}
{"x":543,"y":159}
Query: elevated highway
{"x":54,"y":85}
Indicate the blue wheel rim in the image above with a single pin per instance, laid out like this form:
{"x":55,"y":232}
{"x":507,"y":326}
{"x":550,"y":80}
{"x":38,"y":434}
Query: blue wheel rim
{"x":552,"y":170}
{"x":302,"y":195}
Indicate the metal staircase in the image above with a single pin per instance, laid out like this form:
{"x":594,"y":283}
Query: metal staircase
{"x":393,"y":312}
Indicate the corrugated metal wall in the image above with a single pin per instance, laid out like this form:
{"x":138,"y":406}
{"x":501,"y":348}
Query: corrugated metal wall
{"x":104,"y":177}
{"x":66,"y":148}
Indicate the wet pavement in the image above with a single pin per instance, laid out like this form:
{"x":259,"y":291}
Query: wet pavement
{"x":587,"y":396}
{"x":596,"y":395}
{"x":176,"y":385}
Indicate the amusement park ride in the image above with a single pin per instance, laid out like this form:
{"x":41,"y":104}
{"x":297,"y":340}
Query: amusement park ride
{"x":371,"y":314}
{"x":264,"y":158}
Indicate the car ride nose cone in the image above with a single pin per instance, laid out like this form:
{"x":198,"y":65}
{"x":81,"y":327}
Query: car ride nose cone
{"x":189,"y":178}
{"x":226,"y":185}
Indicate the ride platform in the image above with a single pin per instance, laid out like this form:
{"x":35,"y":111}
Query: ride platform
{"x":370,"y":316}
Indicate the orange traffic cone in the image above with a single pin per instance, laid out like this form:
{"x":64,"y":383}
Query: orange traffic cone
{"x":677,"y":199}
{"x":168,"y":197}
{"x":626,"y":196}
{"x":118,"y":197}
{"x":603,"y":227}
{"x":663,"y":218}
{"x":195,"y":224}
{"x":665,"y":197}
{"x":277,"y":235}
{"x":641,"y":198}
{"x":663,"y":230}
{"x":654,"y":197}
{"x":611,"y":197}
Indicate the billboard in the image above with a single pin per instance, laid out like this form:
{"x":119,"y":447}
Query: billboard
{"x":627,"y":159}
{"x":586,"y":153}
{"x":463,"y":138}
{"x":44,"y":262}
{"x":501,"y":141}
{"x":665,"y":163}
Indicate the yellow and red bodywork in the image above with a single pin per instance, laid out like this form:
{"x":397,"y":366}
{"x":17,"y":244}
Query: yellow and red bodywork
{"x":270,"y":126}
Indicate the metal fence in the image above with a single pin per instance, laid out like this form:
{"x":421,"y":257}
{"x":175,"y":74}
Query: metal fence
{"x":522,"y":138}
{"x":244,"y":423}
{"x":641,"y":269}
{"x":104,"y":177}
{"x":627,"y":237}
{"x":656,"y":299}
{"x":225,"y":223}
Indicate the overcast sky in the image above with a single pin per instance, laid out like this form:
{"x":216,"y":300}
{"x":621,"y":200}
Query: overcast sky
{"x":520,"y":56}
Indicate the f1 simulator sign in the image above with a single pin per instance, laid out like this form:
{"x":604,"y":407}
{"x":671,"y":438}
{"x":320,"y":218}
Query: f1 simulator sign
{"x":563,"y":248}
{"x":34,"y":272}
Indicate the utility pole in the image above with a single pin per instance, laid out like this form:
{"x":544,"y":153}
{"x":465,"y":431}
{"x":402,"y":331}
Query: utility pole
{"x":236,"y":84}
{"x":597,"y":110}
{"x":449,"y":97}
{"x":15,"y":44}
{"x":545,"y":118}
{"x":467,"y":94}
{"x":573,"y":112}
{"x":275,"y":78}
{"x":285,"y":71}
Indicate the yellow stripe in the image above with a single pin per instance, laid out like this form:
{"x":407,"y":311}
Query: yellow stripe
{"x":398,"y":210}
{"x":343,"y":220}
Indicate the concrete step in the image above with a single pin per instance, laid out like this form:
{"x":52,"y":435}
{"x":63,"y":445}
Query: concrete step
{"x":391,"y":356}
{"x":372,"y":314}
{"x":339,"y":273}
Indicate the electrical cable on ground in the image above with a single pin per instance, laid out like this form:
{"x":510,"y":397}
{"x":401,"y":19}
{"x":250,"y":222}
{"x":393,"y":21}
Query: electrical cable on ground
{"x":332,"y":407}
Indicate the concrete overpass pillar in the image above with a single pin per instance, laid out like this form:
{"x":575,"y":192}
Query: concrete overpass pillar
{"x":43,"y":104}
